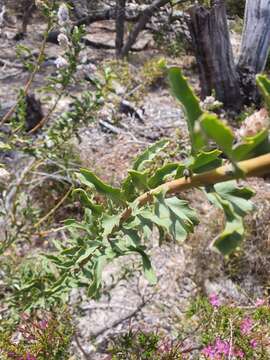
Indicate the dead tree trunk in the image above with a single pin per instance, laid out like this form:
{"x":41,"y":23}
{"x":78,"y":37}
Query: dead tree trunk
{"x":254,"y":48}
{"x":256,"y":35}
{"x":120,"y":26}
{"x":144,"y":17}
{"x":233,"y":85}
{"x":211,"y":40}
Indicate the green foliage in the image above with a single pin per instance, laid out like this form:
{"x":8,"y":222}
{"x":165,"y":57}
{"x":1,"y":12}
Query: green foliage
{"x":190,"y":102}
{"x":122,"y":223}
{"x":148,"y":155}
{"x":226,"y":328}
{"x":41,"y":337}
{"x":234,"y":201}
{"x":118,"y":221}
{"x":107,"y":236}
{"x":50,"y":153}
{"x":142,"y":345}
{"x":214,"y":328}
{"x":264,"y":86}
{"x":26,"y":284}
{"x":153,"y":71}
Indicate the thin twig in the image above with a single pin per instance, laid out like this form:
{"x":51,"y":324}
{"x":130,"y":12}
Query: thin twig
{"x":86,"y":356}
{"x":47,"y":116}
{"x":231,"y":339}
{"x":44,"y":218}
{"x":31,"y":78}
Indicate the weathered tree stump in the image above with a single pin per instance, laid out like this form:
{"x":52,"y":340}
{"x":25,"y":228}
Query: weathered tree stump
{"x":256,"y":36}
{"x":211,"y":40}
{"x":254,"y":47}
{"x":120,"y":26}
{"x":233,"y":85}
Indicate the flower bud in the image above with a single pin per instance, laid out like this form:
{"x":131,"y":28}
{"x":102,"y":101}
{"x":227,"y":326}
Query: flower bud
{"x":63,"y":15}
{"x":61,"y":62}
{"x":63,"y":41}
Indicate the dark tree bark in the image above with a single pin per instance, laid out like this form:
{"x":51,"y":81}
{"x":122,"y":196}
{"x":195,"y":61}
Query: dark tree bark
{"x":106,"y":14}
{"x":211,"y":40}
{"x":120,"y":26}
{"x":80,"y":8}
{"x":234,"y":85}
{"x":140,"y":20}
{"x":144,"y":17}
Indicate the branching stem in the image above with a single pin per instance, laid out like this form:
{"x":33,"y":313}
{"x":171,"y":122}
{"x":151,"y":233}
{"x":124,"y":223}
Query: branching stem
{"x":255,"y":167}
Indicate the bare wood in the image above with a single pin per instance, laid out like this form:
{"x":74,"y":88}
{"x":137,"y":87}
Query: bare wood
{"x":211,"y":40}
{"x":120,"y":26}
{"x":140,"y":25}
{"x":256,"y":36}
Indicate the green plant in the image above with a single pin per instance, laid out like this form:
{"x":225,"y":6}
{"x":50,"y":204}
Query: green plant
{"x":39,"y":337}
{"x":213,"y":328}
{"x":50,"y":153}
{"x":228,"y":330}
{"x":142,"y":345}
{"x":153,"y":71}
{"x":122,"y":222}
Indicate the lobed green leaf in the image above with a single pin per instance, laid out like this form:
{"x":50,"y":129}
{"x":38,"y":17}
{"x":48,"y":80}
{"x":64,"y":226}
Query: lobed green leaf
{"x":149,"y":154}
{"x":183,"y":93}
{"x":89,"y":179}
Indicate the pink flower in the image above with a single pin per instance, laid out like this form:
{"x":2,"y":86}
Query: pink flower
{"x":221,"y":349}
{"x":246,"y":326}
{"x":214,"y":300}
{"x":259,"y":302}
{"x":30,"y":357}
{"x":239,"y":354}
{"x":209,"y":351}
{"x":11,"y":354}
{"x":43,"y":324}
{"x":253,"y":343}
{"x":25,"y":316}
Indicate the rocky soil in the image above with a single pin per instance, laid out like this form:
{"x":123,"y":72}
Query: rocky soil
{"x":184,"y":270}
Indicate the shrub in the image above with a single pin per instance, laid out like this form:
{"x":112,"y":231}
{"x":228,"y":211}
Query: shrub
{"x":218,"y":329}
{"x":47,"y":336}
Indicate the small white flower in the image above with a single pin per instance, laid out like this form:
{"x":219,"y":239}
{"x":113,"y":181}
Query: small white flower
{"x":61,"y":62}
{"x":63,"y":41}
{"x":63,"y":15}
{"x":209,"y":100}
{"x":4,"y":176}
{"x":210,"y":103}
{"x":49,"y":143}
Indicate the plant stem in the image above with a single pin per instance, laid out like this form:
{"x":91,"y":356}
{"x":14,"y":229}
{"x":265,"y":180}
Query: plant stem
{"x":255,"y":167}
{"x":62,"y":200}
{"x":32,"y":76}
